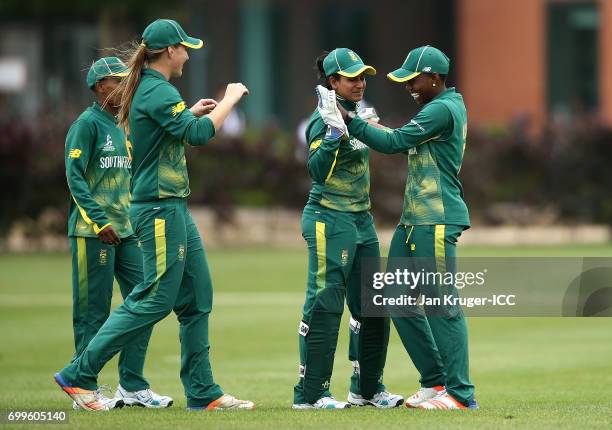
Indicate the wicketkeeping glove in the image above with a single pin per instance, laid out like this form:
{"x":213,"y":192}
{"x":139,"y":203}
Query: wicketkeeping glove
{"x":330,"y":113}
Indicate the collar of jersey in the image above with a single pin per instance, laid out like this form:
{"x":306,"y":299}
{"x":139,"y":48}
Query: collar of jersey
{"x":96,"y":107}
{"x":346,"y":104}
{"x":444,"y":93}
{"x":151,"y":72}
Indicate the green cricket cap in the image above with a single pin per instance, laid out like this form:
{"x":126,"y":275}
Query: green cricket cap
{"x":345,"y":62}
{"x":425,"y":59}
{"x":104,"y":68}
{"x":167,"y":32}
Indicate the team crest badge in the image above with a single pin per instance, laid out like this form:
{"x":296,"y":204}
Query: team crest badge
{"x":344,"y":257}
{"x":181,"y":252}
{"x":353,"y":56}
{"x":103,"y":257}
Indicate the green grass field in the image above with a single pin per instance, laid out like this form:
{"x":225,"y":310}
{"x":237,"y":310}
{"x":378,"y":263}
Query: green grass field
{"x":529,"y":372}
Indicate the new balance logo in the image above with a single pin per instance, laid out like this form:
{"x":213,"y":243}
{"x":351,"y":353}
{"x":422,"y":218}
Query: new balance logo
{"x":74,"y":153}
{"x":178,"y":108}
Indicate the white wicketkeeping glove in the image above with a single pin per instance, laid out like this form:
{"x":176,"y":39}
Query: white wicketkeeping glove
{"x":369,"y":114}
{"x":330,"y":113}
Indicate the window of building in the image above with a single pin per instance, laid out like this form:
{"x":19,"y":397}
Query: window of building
{"x":572,"y":57}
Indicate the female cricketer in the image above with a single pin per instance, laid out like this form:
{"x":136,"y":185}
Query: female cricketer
{"x":339,"y":231}
{"x":433,"y":218}
{"x":98,"y":170}
{"x":176,"y":275}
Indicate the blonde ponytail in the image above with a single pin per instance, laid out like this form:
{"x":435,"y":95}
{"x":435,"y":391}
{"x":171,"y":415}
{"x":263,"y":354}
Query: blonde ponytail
{"x":138,"y":56}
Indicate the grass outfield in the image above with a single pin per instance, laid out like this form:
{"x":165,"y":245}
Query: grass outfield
{"x":529,"y":372}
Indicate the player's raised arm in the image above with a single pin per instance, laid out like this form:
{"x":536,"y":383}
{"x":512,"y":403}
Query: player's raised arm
{"x":233,"y":93}
{"x":170,"y":113}
{"x":427,"y":125}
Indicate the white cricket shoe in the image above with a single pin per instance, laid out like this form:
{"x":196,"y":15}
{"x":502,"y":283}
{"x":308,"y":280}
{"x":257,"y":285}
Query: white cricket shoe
{"x":382,"y":399}
{"x":443,"y":401}
{"x":144,"y":398}
{"x":302,"y":406}
{"x":108,"y":403}
{"x":423,"y":395}
{"x":225,"y":402}
{"x":330,"y":403}
{"x":323,"y":403}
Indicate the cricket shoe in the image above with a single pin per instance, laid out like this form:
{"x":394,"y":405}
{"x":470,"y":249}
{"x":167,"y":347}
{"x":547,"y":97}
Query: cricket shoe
{"x":382,"y":399}
{"x":423,"y":395}
{"x":473,"y":404}
{"x":301,"y":406}
{"x":225,"y":402}
{"x":112,"y":402}
{"x":87,"y":399}
{"x":443,"y":401}
{"x":144,"y":398}
{"x":327,"y":402}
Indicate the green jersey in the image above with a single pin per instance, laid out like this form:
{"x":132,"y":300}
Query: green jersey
{"x":160,"y":126}
{"x":435,"y":141}
{"x":339,"y":168}
{"x":98,"y":166}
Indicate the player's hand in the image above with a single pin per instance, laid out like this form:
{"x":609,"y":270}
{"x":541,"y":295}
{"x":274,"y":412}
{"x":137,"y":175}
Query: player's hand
{"x":369,"y":114}
{"x":203,"y":107}
{"x":235,"y":91}
{"x":108,"y":236}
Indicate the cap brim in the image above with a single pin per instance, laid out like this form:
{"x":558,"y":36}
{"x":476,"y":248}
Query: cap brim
{"x":192,"y":42}
{"x":351,"y":72}
{"x":402,"y":75}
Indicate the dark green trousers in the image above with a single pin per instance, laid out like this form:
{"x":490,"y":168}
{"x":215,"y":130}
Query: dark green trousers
{"x":337,"y":242}
{"x":176,"y":277}
{"x":437,"y":344}
{"x":94,"y":266}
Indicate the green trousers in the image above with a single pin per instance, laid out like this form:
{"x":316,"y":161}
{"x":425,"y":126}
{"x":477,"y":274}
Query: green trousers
{"x":176,"y":277}
{"x":437,"y":345}
{"x":337,"y":242}
{"x":94,"y":266}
